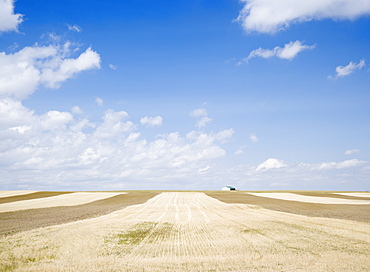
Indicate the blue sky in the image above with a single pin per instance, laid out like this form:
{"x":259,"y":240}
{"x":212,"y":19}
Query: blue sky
{"x":260,"y":95}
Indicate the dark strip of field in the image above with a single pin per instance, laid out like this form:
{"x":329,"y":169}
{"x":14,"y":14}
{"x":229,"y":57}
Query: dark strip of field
{"x":30,"y":196}
{"x":339,"y":211}
{"x":13,"y":222}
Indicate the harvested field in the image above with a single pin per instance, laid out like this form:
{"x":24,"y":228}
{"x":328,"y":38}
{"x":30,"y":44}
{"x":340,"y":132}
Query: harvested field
{"x":14,"y":193}
{"x":72,"y":199}
{"x":13,"y":222}
{"x":36,"y":195}
{"x":347,"y":212}
{"x":356,"y":194}
{"x":312,"y":199}
{"x":191,"y":231}
{"x":334,"y":195}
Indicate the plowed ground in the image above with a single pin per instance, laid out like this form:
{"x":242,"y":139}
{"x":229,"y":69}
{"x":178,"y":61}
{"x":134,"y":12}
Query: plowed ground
{"x":188,"y":231}
{"x":349,"y":212}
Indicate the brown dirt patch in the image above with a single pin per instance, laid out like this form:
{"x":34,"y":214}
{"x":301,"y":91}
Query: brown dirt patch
{"x":348,"y":212}
{"x":13,"y":222}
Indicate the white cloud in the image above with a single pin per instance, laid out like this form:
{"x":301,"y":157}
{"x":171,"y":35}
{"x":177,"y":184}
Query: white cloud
{"x":8,"y":20}
{"x":22,"y":72}
{"x":198,"y":113}
{"x":55,"y":120}
{"x":271,"y":164}
{"x":55,"y":74}
{"x":202,"y":116}
{"x":269,"y":16}
{"x":114,"y":152}
{"x":76,"y":109}
{"x":74,"y":28}
{"x":99,"y":101}
{"x":151,"y":121}
{"x":57,"y":147}
{"x":342,"y":71}
{"x":253,"y":138}
{"x":224,"y":135}
{"x":340,"y":165}
{"x":240,"y":150}
{"x":352,"y":151}
{"x":113,"y":125}
{"x":295,"y":176}
{"x":204,"y":170}
{"x":21,"y":129}
{"x":202,"y":122}
{"x":289,"y":51}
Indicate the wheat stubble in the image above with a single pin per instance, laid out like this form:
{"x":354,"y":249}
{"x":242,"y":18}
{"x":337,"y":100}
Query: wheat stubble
{"x":181,"y":231}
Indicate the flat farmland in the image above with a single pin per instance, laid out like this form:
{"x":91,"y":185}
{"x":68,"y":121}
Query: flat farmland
{"x":190,"y":231}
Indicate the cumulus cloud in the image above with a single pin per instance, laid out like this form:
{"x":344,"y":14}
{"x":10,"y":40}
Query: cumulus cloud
{"x":151,"y":121}
{"x":9,"y":21}
{"x":202,"y":117}
{"x":55,"y":74}
{"x":75,"y":152}
{"x":23,"y":72}
{"x":55,"y":120}
{"x":340,"y":165}
{"x":289,"y":51}
{"x":113,"y":125}
{"x":62,"y":147}
{"x":342,"y":71}
{"x":271,"y":163}
{"x":269,"y":16}
{"x":352,"y":151}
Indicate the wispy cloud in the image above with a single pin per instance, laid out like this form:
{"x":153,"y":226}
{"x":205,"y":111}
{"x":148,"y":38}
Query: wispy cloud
{"x":343,"y":164}
{"x":76,"y":109}
{"x":202,"y":117}
{"x":289,"y":51}
{"x":74,"y":28}
{"x":253,"y":137}
{"x":99,"y":101}
{"x":240,"y":150}
{"x":269,"y":16}
{"x":113,"y":67}
{"x":342,"y":71}
{"x":352,"y":151}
